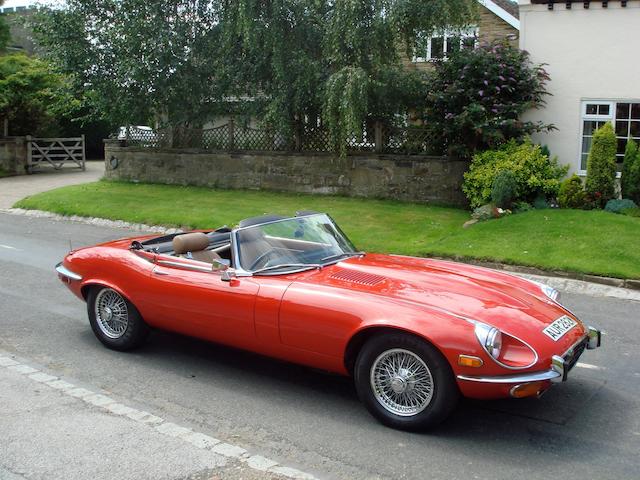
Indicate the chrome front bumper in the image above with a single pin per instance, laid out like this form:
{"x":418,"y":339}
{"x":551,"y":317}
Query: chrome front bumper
{"x":65,"y":272}
{"x":560,"y":365}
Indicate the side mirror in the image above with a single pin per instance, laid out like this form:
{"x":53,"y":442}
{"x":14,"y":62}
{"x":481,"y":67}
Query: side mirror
{"x":229,"y":275}
{"x":220,"y":265}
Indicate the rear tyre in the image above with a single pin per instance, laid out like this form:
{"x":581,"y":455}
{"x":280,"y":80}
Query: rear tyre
{"x":115,"y":321}
{"x":405,"y":382}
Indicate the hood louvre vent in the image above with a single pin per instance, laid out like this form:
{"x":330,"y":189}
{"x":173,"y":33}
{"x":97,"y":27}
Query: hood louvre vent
{"x":361,"y":278}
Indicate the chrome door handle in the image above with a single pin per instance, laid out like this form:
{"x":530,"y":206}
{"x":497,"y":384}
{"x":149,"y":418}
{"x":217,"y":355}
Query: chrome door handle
{"x":159,"y":272}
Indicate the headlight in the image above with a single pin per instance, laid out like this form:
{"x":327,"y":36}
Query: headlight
{"x":505,"y":349}
{"x":490,"y":338}
{"x":550,"y":292}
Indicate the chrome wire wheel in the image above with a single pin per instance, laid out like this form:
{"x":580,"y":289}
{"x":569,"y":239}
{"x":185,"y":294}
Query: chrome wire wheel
{"x":401,"y":382}
{"x":111,"y":312}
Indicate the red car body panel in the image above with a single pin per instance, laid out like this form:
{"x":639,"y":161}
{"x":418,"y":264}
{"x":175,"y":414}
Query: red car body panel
{"x":311,"y":317}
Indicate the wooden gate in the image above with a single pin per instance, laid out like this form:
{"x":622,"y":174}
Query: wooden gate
{"x":55,"y":152}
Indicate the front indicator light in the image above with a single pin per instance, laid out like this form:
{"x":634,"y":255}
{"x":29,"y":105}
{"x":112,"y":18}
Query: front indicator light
{"x":526,"y":390}
{"x":469,"y":361}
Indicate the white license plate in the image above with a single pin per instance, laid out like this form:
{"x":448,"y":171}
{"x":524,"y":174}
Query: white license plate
{"x":559,"y":327}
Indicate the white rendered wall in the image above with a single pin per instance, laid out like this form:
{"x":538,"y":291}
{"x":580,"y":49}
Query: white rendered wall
{"x":592,"y":54}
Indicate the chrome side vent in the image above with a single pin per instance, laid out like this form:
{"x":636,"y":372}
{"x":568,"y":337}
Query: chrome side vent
{"x":361,"y":278}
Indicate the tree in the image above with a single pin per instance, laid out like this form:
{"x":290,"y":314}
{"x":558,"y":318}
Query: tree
{"x":290,"y":62}
{"x":31,"y":95}
{"x":601,"y":166}
{"x":630,"y":181}
{"x":476,"y":98}
{"x":140,"y":60}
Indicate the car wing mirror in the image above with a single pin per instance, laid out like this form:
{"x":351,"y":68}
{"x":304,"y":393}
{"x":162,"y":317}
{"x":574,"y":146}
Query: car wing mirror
{"x":220,"y":264}
{"x":229,"y":275}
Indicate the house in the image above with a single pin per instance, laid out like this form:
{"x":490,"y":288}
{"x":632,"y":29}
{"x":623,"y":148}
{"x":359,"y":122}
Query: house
{"x":497,"y":19}
{"x":591,"y":51}
{"x":20,"y":36}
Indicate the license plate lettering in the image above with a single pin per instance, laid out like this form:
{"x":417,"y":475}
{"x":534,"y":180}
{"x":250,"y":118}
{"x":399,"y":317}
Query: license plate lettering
{"x":559,"y":327}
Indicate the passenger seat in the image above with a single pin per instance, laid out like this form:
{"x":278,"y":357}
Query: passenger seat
{"x":194,"y":246}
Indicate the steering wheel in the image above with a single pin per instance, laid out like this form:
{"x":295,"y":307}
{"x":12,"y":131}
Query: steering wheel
{"x":263,"y":257}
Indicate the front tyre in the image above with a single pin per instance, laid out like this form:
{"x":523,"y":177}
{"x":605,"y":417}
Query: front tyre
{"x":115,"y":320}
{"x":405,"y":382}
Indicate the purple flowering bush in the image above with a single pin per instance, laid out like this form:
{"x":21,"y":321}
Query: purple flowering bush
{"x":477,"y":96}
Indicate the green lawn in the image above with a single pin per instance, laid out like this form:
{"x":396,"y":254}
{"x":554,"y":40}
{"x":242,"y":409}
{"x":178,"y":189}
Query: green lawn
{"x":593,"y":242}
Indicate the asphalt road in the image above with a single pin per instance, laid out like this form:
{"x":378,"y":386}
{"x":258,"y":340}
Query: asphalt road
{"x":588,"y":427}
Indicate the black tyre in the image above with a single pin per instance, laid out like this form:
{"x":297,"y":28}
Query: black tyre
{"x":405,"y":382}
{"x":115,"y":320}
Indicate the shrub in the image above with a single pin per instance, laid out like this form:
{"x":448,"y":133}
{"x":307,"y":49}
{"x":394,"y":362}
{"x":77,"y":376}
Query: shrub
{"x":631,"y":212}
{"x":504,"y":188}
{"x":617,"y":206}
{"x":630,"y":181}
{"x":520,"y":207}
{"x":534,"y":173}
{"x":571,"y":193}
{"x":601,"y":165}
{"x":541,"y":203}
{"x":477,"y":97}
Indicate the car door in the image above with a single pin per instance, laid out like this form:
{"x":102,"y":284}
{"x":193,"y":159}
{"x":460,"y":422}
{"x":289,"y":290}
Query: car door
{"x":190,"y":298}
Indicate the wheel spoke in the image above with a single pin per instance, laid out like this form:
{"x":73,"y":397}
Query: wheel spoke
{"x":111,"y":313}
{"x":401,"y":382}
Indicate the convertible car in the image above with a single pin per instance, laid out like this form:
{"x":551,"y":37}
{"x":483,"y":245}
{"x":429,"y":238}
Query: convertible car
{"x":414,"y":333}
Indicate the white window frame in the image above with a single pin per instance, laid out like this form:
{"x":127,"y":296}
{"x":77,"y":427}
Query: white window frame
{"x":584,"y":117}
{"x":466,"y":33}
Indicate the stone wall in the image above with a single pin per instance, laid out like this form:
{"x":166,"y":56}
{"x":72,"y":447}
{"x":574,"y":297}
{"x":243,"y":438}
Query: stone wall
{"x":399,"y":177}
{"x":13,"y":155}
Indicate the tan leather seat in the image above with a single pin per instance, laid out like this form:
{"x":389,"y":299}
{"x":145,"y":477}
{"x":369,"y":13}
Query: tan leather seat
{"x":193,"y":245}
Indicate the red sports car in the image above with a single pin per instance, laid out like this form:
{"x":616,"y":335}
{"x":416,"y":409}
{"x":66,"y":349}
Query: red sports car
{"x":414,"y":333}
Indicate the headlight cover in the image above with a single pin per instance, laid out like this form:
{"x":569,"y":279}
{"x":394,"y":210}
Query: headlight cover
{"x":506,"y":350}
{"x":490,"y":338}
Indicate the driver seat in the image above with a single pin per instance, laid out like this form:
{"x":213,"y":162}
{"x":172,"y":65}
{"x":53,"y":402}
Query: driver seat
{"x":194,"y":246}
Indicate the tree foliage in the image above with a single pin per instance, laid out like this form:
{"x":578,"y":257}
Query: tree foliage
{"x":293,"y":63}
{"x":32,"y":96}
{"x":477,"y":97}
{"x":630,"y":181}
{"x":601,"y":166}
{"x":139,"y":59}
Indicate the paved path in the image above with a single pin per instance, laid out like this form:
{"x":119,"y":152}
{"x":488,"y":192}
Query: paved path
{"x":588,"y":427}
{"x":16,"y":188}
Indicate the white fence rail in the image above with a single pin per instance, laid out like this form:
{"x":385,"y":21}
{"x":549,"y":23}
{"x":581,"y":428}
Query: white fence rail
{"x":55,"y":152}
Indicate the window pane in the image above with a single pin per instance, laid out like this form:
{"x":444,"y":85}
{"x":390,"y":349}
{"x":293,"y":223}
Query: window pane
{"x":635,"y":111}
{"x":589,"y":127}
{"x":586,"y":144}
{"x":453,"y":45}
{"x":469,"y":42}
{"x":592,"y":109}
{"x":622,"y":144}
{"x":603,"y":110}
{"x":622,"y":129}
{"x":437,"y":47}
{"x":583,"y":161}
{"x":635,"y":129}
{"x":601,"y":124}
{"x":622,"y":110}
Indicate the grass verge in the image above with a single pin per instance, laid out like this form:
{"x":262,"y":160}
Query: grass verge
{"x":593,"y":242}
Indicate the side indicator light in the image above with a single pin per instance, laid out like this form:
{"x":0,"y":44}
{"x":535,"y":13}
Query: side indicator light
{"x":526,"y":390}
{"x":469,"y":361}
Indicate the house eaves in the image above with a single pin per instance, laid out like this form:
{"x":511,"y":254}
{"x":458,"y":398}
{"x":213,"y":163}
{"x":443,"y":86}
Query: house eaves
{"x":501,"y":13}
